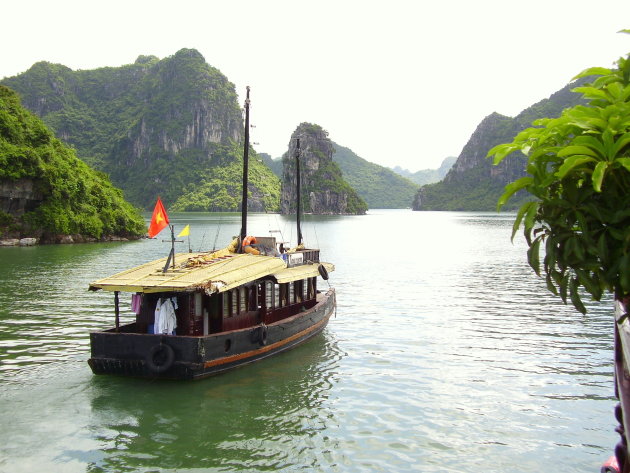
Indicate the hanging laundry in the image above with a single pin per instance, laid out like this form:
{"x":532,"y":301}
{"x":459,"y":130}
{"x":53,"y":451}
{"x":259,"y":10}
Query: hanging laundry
{"x":156,"y":318}
{"x":165,"y":318}
{"x":136,"y":302}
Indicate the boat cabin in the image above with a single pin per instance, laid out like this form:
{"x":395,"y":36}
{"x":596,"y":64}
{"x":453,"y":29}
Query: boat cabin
{"x":217,"y":292}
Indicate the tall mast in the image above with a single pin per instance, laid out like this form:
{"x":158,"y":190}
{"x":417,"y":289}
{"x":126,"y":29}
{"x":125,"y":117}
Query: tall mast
{"x":299,"y":207}
{"x":245,"y":170}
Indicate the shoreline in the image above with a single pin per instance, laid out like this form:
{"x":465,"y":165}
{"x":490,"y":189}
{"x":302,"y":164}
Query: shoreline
{"x":62,"y":240}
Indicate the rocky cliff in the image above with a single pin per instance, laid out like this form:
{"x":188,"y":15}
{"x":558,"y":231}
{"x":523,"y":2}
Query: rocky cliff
{"x":157,"y":127}
{"x":323,"y":189}
{"x":473,"y":183}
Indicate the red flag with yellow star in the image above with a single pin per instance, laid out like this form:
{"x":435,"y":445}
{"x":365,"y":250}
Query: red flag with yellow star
{"x":159,"y":220}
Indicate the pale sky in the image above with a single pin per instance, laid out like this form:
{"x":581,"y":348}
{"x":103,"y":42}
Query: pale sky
{"x":400,"y":82}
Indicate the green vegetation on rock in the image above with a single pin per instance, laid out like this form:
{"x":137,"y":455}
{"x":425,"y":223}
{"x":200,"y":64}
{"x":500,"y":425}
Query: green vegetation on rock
{"x":323,"y":188}
{"x":381,"y":188}
{"x":164,"y":127}
{"x":220,"y":188}
{"x":67,"y":196}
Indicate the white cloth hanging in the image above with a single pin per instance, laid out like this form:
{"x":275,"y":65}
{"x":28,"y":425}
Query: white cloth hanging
{"x":165,"y":318}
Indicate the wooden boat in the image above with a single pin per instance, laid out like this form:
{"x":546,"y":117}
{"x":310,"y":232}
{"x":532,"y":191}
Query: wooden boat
{"x":231,"y":307}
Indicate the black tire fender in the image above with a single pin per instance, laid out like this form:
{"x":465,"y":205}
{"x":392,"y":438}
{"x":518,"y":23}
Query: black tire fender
{"x":160,"y":358}
{"x":323,"y":272}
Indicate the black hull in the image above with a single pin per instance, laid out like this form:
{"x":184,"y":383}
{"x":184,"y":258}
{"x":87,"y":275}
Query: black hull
{"x":186,"y":357}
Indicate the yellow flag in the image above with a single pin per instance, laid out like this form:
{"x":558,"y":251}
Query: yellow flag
{"x":184,"y":232}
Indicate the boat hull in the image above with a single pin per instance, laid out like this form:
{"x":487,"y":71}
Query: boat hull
{"x":126,"y":353}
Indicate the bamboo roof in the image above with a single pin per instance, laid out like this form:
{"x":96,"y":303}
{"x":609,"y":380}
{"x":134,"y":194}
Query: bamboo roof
{"x":213,"y":272}
{"x":196,"y":271}
{"x":301,"y":272}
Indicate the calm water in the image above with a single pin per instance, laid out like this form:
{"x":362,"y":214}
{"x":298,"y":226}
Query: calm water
{"x":446,"y":355}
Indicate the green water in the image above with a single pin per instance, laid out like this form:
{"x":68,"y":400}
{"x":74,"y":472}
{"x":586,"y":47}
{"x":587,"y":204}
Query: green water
{"x":446,"y":354}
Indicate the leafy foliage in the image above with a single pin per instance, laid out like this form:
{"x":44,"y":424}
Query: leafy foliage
{"x":75,"y":198}
{"x":220,"y":188}
{"x":579,"y":172}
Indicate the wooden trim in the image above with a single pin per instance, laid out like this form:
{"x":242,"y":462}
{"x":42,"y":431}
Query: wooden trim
{"x":265,"y":349}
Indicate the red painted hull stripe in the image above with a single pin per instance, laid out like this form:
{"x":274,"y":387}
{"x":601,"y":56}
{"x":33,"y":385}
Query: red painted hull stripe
{"x":273,"y":346}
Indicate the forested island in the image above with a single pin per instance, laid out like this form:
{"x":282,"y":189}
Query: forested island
{"x":47,"y":194}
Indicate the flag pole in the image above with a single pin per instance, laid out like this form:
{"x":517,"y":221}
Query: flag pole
{"x":171,"y":255}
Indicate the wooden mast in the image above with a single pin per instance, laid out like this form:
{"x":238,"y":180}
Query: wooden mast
{"x":245,"y":171}
{"x":299,"y":210}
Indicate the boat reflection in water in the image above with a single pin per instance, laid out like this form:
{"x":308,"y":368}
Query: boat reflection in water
{"x":253,"y":413}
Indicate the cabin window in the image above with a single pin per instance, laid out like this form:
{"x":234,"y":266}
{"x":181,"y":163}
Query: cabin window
{"x":298,"y":291}
{"x":284,"y":292}
{"x":311,"y":288}
{"x":305,"y":289}
{"x":253,"y":298}
{"x":291,"y":293}
{"x":198,"y":305}
{"x":269,"y":294}
{"x":276,"y":295}
{"x":233,"y":302}
{"x":226,"y":304}
{"x":242,"y":299}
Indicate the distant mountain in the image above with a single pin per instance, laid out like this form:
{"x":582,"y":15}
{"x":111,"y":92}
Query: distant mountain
{"x":427,"y":176}
{"x":169,"y":127}
{"x":274,"y":164}
{"x":474,"y":183}
{"x":323,"y":188}
{"x":46,"y":192}
{"x":379,"y":186}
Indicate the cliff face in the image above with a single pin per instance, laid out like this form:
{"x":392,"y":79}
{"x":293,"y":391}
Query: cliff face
{"x":19,"y":196}
{"x":157,"y":127}
{"x":323,"y":189}
{"x":474,"y":183}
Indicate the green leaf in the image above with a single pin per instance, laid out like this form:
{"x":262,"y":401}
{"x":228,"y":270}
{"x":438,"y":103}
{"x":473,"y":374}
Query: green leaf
{"x":550,"y":285}
{"x":591,"y":93}
{"x":593,"y":71}
{"x":533,"y":255}
{"x":501,"y":151}
{"x":589,"y":284}
{"x":598,"y":175}
{"x":571,"y":163}
{"x":592,"y":141}
{"x":575,"y":296}
{"x":519,"y":217}
{"x":620,"y":144}
{"x":513,"y":187}
{"x":577,"y":150}
{"x":625,"y":162}
{"x":530,"y":216}
{"x":564,"y":286}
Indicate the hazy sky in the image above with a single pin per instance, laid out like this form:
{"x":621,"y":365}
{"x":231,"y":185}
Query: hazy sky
{"x":400,"y":82}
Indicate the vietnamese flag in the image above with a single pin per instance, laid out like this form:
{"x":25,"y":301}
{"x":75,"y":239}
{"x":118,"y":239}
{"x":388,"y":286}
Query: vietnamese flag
{"x":159,"y":220}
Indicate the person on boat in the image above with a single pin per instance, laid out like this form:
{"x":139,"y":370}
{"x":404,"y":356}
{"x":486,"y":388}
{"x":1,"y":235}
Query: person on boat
{"x":250,"y":245}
